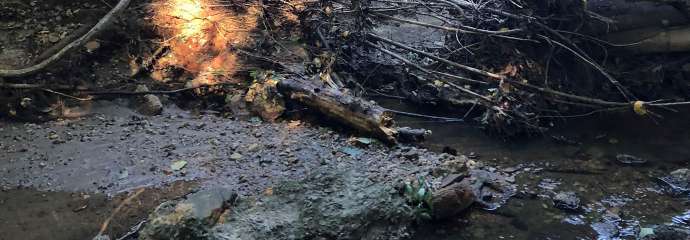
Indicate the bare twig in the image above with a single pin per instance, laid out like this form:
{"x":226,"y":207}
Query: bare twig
{"x":429,"y":55}
{"x":133,"y":230}
{"x":572,"y":96}
{"x":417,"y":115}
{"x":596,"y":66}
{"x":460,"y":29}
{"x":129,"y":199}
{"x":404,"y":60}
{"x":34,"y":86}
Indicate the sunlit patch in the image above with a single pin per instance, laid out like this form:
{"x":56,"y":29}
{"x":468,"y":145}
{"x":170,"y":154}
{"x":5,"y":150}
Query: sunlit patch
{"x":200,"y":34}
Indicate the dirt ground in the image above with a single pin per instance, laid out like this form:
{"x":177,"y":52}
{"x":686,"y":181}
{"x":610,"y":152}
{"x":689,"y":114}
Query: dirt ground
{"x":116,"y":150}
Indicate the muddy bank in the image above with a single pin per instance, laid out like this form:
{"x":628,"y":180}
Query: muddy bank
{"x":115,"y":150}
{"x":120,"y":150}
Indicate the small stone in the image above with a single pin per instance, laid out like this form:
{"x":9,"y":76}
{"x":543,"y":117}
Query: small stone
{"x":566,"y":201}
{"x":53,"y":136}
{"x":149,"y":104}
{"x":253,"y":147}
{"x":236,"y":156}
{"x":92,"y":46}
{"x":53,"y":37}
{"x":242,"y":179}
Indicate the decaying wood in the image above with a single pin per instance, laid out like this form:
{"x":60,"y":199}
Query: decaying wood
{"x":102,"y":24}
{"x":357,"y":113}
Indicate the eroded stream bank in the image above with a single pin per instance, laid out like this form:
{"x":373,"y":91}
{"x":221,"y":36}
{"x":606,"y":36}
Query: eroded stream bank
{"x":115,"y":150}
{"x":72,"y":173}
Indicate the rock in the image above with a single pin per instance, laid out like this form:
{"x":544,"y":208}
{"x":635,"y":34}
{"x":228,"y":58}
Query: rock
{"x":237,"y":105}
{"x":566,"y":201}
{"x":667,"y":233}
{"x":678,"y":181}
{"x":491,"y":189}
{"x":53,"y":37}
{"x":148,"y":104}
{"x":454,"y":165}
{"x":92,"y":46}
{"x":264,"y":99}
{"x":253,"y":147}
{"x":236,"y":156}
{"x":191,"y":218}
{"x":630,"y":159}
{"x":453,"y":199}
{"x":101,"y":237}
{"x":326,"y":205}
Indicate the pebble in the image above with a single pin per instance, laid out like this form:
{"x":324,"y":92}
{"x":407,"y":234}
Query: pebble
{"x":566,"y":201}
{"x":236,"y":156}
{"x":253,"y":147}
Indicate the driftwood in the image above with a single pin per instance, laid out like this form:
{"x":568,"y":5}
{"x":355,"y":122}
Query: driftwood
{"x":357,"y":113}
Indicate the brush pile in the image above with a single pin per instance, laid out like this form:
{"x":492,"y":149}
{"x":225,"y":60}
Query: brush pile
{"x":513,"y":65}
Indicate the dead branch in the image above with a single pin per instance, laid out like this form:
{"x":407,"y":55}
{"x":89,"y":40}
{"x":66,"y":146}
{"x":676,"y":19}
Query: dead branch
{"x":404,"y":60}
{"x":102,"y":24}
{"x":460,"y":29}
{"x":25,"y":86}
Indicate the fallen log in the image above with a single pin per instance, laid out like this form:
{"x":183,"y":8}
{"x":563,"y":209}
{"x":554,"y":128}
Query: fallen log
{"x":359,"y":114}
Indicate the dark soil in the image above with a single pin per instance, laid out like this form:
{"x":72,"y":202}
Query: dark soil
{"x":116,"y":150}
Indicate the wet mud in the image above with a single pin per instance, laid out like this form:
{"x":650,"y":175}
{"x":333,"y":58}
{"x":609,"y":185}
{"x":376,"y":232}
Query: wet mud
{"x":114,"y":151}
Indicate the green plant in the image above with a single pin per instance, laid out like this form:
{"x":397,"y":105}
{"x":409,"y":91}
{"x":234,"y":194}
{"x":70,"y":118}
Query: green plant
{"x":419,"y":195}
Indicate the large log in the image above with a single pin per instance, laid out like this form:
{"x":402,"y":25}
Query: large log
{"x":357,"y":113}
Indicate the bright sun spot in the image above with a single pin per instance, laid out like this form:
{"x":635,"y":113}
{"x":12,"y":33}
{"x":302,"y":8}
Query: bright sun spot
{"x":200,"y":34}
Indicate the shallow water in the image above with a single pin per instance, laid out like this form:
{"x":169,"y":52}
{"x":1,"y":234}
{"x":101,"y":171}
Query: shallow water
{"x":578,"y":155}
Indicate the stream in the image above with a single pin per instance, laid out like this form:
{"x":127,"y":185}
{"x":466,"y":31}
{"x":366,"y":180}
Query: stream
{"x":618,"y":198}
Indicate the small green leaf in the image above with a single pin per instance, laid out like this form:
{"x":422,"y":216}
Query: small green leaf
{"x":421,"y":193}
{"x":408,"y":189}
